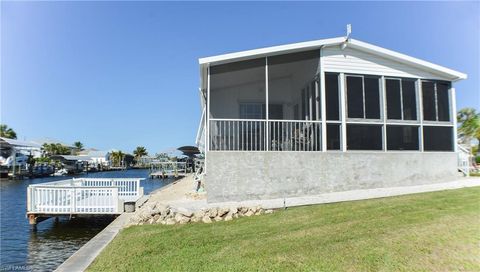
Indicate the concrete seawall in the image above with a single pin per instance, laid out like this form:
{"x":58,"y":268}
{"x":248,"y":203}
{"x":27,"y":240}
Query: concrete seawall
{"x":81,"y":259}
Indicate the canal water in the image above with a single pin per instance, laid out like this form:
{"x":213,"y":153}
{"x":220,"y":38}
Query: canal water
{"x":22,"y":249}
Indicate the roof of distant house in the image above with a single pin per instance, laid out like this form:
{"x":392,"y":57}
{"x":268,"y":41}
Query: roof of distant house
{"x":47,"y":140}
{"x":18,"y":143}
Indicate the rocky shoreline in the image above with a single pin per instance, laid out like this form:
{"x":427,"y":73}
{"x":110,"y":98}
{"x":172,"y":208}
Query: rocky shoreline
{"x":157,"y":213}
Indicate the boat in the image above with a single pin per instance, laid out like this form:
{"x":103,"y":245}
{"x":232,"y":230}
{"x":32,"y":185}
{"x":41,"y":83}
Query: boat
{"x":61,"y":172}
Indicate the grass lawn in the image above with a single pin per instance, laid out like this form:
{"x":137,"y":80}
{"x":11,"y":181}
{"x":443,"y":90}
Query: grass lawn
{"x":437,"y":231}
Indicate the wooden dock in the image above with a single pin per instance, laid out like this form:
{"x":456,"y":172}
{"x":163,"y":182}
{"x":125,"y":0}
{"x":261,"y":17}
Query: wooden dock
{"x":168,"y":169}
{"x":83,"y":196}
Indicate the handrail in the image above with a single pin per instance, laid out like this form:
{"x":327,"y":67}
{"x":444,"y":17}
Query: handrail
{"x":463,"y":160}
{"x":83,"y":195}
{"x":264,"y":135}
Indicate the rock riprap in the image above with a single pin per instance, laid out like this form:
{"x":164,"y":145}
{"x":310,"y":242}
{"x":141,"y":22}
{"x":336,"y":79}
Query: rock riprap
{"x":156,"y":213}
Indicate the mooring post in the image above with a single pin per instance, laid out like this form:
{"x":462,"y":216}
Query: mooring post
{"x":32,"y":219}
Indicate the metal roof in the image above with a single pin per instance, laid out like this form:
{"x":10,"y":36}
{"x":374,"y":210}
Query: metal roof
{"x":18,"y":143}
{"x":356,"y":44}
{"x":72,"y":157}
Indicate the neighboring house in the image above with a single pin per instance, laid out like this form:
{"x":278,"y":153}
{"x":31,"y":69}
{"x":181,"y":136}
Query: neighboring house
{"x":324,"y":116}
{"x":72,"y":149}
{"x":17,"y":151}
{"x":99,"y":157}
{"x":72,"y":163}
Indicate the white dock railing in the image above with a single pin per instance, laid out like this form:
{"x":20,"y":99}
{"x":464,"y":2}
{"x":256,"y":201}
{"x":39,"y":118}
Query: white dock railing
{"x":83,"y":196}
{"x":251,"y":135}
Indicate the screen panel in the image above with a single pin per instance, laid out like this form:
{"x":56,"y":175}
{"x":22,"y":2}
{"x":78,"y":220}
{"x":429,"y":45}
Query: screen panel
{"x":394,"y":110}
{"x":364,"y":137}
{"x":409,"y":100}
{"x":332,"y":96}
{"x":355,"y":97}
{"x":402,"y":137}
{"x":372,"y":97}
{"x":428,"y":97}
{"x":437,"y":138}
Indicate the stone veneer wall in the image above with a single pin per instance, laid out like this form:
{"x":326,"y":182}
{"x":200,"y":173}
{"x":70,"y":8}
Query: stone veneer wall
{"x":236,"y":176}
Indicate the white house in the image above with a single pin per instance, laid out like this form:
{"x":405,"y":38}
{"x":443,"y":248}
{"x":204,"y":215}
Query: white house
{"x":97,"y":157}
{"x":322,"y":116}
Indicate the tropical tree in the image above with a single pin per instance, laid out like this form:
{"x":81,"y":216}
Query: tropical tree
{"x":7,"y":132}
{"x":117,"y":158}
{"x":469,"y":125}
{"x":55,"y":149}
{"x":139,"y":152}
{"x":78,"y":145}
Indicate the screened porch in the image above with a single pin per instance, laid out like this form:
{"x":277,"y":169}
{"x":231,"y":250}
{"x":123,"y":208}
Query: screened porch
{"x":241,"y":118}
{"x":287,"y":103}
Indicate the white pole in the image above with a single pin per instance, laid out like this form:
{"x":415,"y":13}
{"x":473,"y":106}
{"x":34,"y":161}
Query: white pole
{"x":453,"y":117}
{"x":420,"y":112}
{"x":207,"y":138}
{"x":323,"y":103}
{"x":343,"y":113}
{"x":384,"y":112}
{"x":267,"y":125}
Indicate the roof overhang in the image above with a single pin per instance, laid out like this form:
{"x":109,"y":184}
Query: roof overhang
{"x":355,"y":44}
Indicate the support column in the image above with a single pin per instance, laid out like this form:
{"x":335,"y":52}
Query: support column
{"x":384,"y":112}
{"x":267,"y":125}
{"x":453,"y":117}
{"x":343,"y":114}
{"x":418,"y":85}
{"x":207,"y":120}
{"x":323,"y":103}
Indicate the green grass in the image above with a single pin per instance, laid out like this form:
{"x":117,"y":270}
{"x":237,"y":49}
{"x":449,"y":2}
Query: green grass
{"x":424,"y":232}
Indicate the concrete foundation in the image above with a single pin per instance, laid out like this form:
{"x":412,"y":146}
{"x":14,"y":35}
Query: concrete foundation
{"x":239,"y":176}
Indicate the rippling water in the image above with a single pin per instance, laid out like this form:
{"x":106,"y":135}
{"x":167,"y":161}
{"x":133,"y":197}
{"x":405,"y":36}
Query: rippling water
{"x":22,"y":249}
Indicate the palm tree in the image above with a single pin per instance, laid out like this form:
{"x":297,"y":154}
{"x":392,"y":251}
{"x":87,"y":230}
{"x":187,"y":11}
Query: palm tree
{"x":78,"y":145}
{"x":139,"y":152}
{"x":469,"y":124}
{"x":49,"y":149}
{"x":55,"y":149}
{"x":117,"y":158}
{"x":7,"y":132}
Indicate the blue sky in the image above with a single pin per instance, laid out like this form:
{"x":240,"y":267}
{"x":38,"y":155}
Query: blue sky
{"x":123,"y":74}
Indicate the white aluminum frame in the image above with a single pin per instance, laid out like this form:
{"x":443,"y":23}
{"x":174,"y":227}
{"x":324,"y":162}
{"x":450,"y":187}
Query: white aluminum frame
{"x":343,"y":108}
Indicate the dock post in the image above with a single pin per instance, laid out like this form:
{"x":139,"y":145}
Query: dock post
{"x":32,"y":219}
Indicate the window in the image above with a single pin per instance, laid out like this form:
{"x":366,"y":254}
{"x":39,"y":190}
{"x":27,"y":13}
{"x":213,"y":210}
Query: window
{"x":293,"y":80}
{"x":394,"y":109}
{"x":443,"y":102}
{"x":436,"y":102}
{"x":332,"y":96}
{"x":428,"y":97}
{"x":355,"y":97}
{"x":372,"y":98}
{"x":233,"y":82}
{"x":401,"y":99}
{"x":402,"y":137}
{"x":364,"y":137}
{"x":409,"y":99}
{"x":363,"y":97}
{"x":437,"y":138}
{"x":252,"y":111}
{"x":333,"y":136}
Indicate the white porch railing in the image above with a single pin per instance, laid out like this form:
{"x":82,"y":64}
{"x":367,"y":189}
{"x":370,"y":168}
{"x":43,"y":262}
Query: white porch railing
{"x":82,"y":196}
{"x":295,"y":135}
{"x":464,"y":158}
{"x":251,"y":135}
{"x":237,"y":134}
